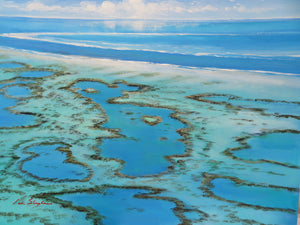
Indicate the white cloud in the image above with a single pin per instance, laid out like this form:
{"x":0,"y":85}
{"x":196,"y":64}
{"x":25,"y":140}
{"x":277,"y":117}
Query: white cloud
{"x":243,"y":9}
{"x":145,"y":9}
{"x":111,"y":9}
{"x":108,"y":7}
{"x":37,"y":6}
{"x":208,"y":8}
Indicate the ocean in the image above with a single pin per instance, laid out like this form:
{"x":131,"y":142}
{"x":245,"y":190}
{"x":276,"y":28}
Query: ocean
{"x":149,"y":121}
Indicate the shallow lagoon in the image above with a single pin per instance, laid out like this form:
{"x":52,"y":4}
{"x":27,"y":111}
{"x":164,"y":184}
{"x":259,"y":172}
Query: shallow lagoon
{"x":10,"y":65}
{"x":36,"y":74}
{"x":265,"y":105}
{"x":182,"y":182}
{"x":17,"y":91}
{"x":143,"y":147}
{"x":52,"y":164}
{"x":121,"y":206}
{"x":261,"y":196}
{"x":8,"y":119}
{"x":279,"y":147}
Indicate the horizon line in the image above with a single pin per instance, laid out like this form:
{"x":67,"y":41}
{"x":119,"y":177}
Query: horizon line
{"x":150,"y":19}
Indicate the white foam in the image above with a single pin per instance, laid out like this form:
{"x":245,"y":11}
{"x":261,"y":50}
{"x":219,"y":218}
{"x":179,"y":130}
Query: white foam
{"x":187,"y":74}
{"x":122,"y":46}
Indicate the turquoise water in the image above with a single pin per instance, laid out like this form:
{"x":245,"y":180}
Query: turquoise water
{"x":36,"y":74}
{"x":8,"y":119}
{"x":272,"y":107}
{"x":10,"y":65}
{"x":265,"y":197}
{"x":120,"y":206}
{"x":148,"y":26}
{"x":50,"y":163}
{"x":113,"y":155}
{"x":142,"y":148}
{"x":249,"y":45}
{"x":283,"y":64}
{"x":18,"y":91}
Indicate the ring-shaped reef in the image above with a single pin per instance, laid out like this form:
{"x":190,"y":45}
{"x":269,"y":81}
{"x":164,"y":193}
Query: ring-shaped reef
{"x":10,"y":118}
{"x":278,"y":147}
{"x":143,"y":149}
{"x":53,"y":162}
{"x":127,"y":205}
{"x":18,"y":81}
{"x":248,"y":194}
{"x":267,"y":107}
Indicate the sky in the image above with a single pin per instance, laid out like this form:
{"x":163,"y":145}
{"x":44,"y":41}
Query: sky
{"x":153,"y":9}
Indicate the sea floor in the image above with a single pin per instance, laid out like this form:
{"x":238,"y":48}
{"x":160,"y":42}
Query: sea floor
{"x":96,"y":141}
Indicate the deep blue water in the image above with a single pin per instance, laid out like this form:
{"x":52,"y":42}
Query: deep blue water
{"x":264,"y":45}
{"x":220,"y":44}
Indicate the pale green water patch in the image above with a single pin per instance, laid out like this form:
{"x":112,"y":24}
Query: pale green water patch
{"x":194,"y":216}
{"x":266,"y":217}
{"x":266,"y":105}
{"x":36,"y":74}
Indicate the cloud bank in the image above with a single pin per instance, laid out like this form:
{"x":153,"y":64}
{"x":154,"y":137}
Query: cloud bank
{"x":143,"y":9}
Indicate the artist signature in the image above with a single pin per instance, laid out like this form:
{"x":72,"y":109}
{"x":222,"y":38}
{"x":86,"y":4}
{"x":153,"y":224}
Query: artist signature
{"x":31,"y":202}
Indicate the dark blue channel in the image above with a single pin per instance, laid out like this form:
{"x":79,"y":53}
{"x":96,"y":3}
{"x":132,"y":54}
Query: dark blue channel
{"x":274,"y":64}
